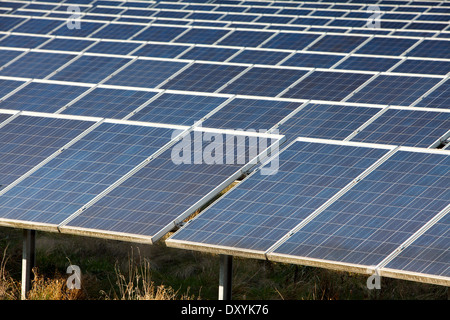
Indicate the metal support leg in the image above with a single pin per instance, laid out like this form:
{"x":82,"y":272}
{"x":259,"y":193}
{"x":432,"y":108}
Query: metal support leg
{"x":28,"y":260}
{"x":225,"y":277}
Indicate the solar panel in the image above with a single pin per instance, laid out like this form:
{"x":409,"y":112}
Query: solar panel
{"x":42,"y":97}
{"x":326,"y":121}
{"x":21,"y":41}
{"x":438,"y":98}
{"x":261,"y":81}
{"x":114,"y":47}
{"x":312,"y":60}
{"x":424,"y":67}
{"x":160,"y":50}
{"x":264,"y":208}
{"x":203,"y":36}
{"x":153,"y":198}
{"x":310,"y":69}
{"x":69,"y":181}
{"x":394,"y":90}
{"x":180,"y":109}
{"x":337,"y":43}
{"x":415,"y":128}
{"x":209,"y":53}
{"x":378,"y":214}
{"x":293,"y":41}
{"x":203,"y":77}
{"x":326,"y":85}
{"x":108,"y":103}
{"x":367,"y":63}
{"x":7,"y":86}
{"x":146,"y":73}
{"x":242,"y":38}
{"x":386,"y":46}
{"x":27,"y":140}
{"x":255,"y":114}
{"x":260,"y":57}
{"x":36,"y":65}
{"x":159,"y":33}
{"x":427,"y":255}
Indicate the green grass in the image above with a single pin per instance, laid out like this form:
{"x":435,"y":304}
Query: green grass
{"x":109,"y":266}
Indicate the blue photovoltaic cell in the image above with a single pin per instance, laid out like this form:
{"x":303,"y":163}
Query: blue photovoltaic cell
{"x":259,"y":81}
{"x":42,"y":97}
{"x":324,"y":121}
{"x":160,"y":50}
{"x":146,"y":73}
{"x":154,"y":196}
{"x":311,"y":21}
{"x":438,"y":98}
{"x":324,"y":85}
{"x":337,"y":43}
{"x":138,"y":12}
{"x":424,"y":67}
{"x":426,"y":26}
{"x":209,"y":53}
{"x":312,"y":60}
{"x":274,"y":19}
{"x":394,"y":90}
{"x":90,"y":69}
{"x":86,"y":28}
{"x":429,"y":253}
{"x":241,"y":38}
{"x":109,"y":103}
{"x":36,"y":65}
{"x":180,"y":109}
{"x":260,"y":57}
{"x":205,"y":16}
{"x":263,"y":208}
{"x":387,"y":46}
{"x":18,"y":41}
{"x":203,"y":36}
{"x":38,"y":26}
{"x":8,"y":55}
{"x":203,"y":77}
{"x":378,"y":214}
{"x":406,"y":127}
{"x":431,"y":49}
{"x":367,"y":63}
{"x":250,"y":114}
{"x":159,"y":33}
{"x":239,"y":17}
{"x":26,"y":141}
{"x":114,"y":47}
{"x":118,"y":31}
{"x":7,"y":23}
{"x":7,"y":86}
{"x":171,"y":14}
{"x":67,"y":45}
{"x":293,"y":41}
{"x":76,"y":176}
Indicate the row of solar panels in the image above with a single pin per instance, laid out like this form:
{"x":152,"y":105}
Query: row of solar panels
{"x":301,"y":23}
{"x":409,"y":126}
{"x":363,"y":206}
{"x":63,"y":173}
{"x":376,"y":55}
{"x":347,"y":206}
{"x":333,"y":8}
{"x":288,"y":17}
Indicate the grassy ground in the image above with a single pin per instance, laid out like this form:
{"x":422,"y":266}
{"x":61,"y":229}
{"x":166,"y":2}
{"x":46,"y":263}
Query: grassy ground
{"x":120,"y":270}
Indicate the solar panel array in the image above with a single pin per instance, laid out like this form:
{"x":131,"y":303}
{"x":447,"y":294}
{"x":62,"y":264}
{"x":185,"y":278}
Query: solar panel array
{"x":95,"y":95}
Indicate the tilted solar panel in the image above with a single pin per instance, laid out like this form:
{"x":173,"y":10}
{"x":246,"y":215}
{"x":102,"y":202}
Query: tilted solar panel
{"x":262,"y":209}
{"x":378,"y":214}
{"x":81,"y":172}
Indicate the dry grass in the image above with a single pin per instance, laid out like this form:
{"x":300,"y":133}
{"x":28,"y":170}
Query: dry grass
{"x":9,"y":289}
{"x":137,"y":284}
